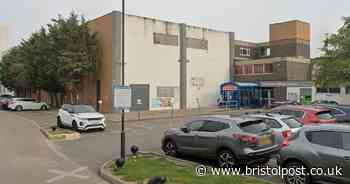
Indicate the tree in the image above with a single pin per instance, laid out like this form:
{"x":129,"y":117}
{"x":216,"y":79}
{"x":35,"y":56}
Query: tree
{"x":334,"y":65}
{"x":53,"y":59}
{"x":76,"y":50}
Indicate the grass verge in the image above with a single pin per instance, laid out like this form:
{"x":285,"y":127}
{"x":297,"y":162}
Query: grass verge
{"x":139,"y":170}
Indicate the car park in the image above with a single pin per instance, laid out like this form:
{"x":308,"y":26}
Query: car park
{"x":231,"y":141}
{"x":326,"y":147}
{"x":341,"y":112}
{"x":324,"y":102}
{"x":277,"y":103}
{"x":286,"y":125}
{"x":80,"y":117}
{"x":20,"y":104}
{"x":307,"y":114}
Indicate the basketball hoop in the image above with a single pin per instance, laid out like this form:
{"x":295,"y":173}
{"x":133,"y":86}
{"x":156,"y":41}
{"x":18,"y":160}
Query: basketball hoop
{"x":197,"y":82}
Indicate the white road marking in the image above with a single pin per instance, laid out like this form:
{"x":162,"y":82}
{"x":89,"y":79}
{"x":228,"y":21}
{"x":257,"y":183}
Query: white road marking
{"x":63,"y":174}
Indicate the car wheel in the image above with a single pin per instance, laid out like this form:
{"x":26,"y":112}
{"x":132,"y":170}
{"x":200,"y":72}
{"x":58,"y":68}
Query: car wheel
{"x":170,"y":148}
{"x":226,"y":159}
{"x":44,"y":107}
{"x":294,"y":178}
{"x":19,"y":108}
{"x":59,"y":123}
{"x":75,"y":126}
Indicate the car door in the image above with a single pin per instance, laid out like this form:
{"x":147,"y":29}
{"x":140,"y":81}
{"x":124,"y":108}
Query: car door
{"x":66,"y":116}
{"x":184,"y":140}
{"x":33,"y":104}
{"x":207,"y":137}
{"x":345,"y":153}
{"x":326,"y":145}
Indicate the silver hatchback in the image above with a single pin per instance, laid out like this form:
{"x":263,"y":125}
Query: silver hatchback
{"x":232,"y":141}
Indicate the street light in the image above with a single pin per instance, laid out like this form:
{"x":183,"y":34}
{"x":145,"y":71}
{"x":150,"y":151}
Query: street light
{"x":122,"y":134}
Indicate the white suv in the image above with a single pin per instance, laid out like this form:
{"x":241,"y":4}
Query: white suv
{"x":20,"y":104}
{"x":80,"y":117}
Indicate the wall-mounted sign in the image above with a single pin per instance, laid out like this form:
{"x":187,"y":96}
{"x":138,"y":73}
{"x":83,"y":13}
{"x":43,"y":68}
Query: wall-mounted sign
{"x":160,"y":102}
{"x":122,"y":97}
{"x":229,"y":87}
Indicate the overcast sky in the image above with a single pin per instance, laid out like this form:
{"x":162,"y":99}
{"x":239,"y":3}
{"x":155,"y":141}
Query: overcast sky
{"x":249,"y":19}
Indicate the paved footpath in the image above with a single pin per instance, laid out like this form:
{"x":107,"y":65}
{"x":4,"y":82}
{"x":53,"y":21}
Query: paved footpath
{"x":27,"y":157}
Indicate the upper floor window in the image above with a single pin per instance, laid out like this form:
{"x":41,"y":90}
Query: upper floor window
{"x":248,"y":69}
{"x":244,"y":51}
{"x":268,"y":68}
{"x":238,"y":69}
{"x":258,"y":68}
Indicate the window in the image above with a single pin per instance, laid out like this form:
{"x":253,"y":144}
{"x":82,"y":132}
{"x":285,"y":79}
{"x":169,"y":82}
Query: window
{"x":272,"y":123}
{"x":253,"y":126}
{"x":346,"y":141}
{"x":268,"y":68}
{"x":195,"y":125}
{"x":325,"y":138}
{"x":334,"y":90}
{"x":248,"y":69}
{"x":239,"y":69}
{"x":328,"y":90}
{"x":347,"y":90}
{"x":259,"y":68}
{"x":322,"y":90}
{"x":325,"y":115}
{"x":336,"y":111}
{"x":213,"y":126}
{"x":244,"y":51}
{"x":166,"y":91}
{"x":268,"y":52}
{"x":292,"y":123}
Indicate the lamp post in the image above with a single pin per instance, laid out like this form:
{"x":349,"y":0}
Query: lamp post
{"x":122,"y":134}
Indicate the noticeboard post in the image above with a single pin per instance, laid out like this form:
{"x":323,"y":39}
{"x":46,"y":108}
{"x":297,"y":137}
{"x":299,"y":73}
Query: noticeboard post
{"x":122,"y":97}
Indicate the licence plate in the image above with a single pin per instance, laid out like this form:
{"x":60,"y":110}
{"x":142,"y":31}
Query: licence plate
{"x":265,"y":140}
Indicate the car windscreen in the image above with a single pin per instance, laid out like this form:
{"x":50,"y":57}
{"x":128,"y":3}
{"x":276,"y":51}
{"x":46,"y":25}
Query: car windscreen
{"x":292,"y":123}
{"x":83,"y":109}
{"x":254,"y":127}
{"x":325,"y":115}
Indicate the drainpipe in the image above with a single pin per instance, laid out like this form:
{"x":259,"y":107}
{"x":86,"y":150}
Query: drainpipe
{"x":183,"y":66}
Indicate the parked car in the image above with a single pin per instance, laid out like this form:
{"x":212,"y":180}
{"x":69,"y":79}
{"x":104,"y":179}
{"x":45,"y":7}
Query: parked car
{"x":287,"y":126}
{"x":231,"y":141}
{"x":80,"y":117}
{"x":324,"y":102}
{"x":275,"y":103}
{"x":341,"y":112}
{"x":4,"y":100}
{"x":20,"y":104}
{"x":307,"y":114}
{"x":324,"y":146}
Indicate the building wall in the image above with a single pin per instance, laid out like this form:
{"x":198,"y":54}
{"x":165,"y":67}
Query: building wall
{"x":152,"y":54}
{"x":294,"y":29}
{"x":104,"y":27}
{"x":147,"y":62}
{"x":284,"y":69}
{"x":298,"y":71}
{"x":211,"y":65}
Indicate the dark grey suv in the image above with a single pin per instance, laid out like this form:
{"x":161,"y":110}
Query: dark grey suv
{"x":232,"y":141}
{"x":322,"y":149}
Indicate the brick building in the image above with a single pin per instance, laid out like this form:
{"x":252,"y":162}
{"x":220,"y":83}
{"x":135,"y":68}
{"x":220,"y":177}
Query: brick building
{"x":282,"y":65}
